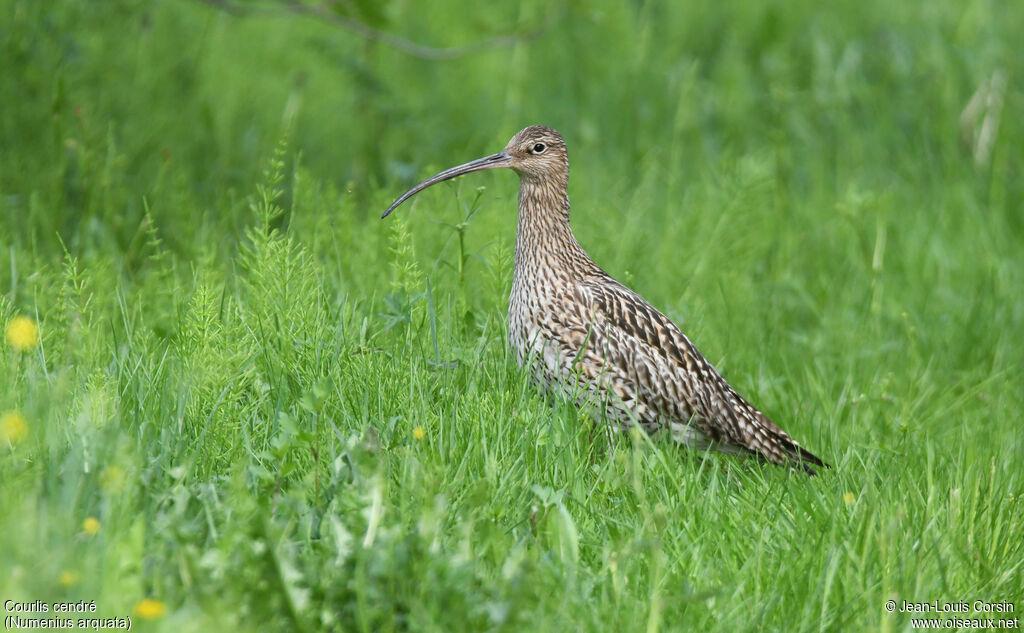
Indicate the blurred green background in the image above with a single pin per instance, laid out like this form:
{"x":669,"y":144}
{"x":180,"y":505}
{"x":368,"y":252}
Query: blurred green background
{"x":286,"y":413}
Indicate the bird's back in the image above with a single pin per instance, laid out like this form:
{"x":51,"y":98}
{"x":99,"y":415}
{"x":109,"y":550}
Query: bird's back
{"x":602,"y":345}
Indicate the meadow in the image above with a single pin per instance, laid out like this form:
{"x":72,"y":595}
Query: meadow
{"x":231,"y":397}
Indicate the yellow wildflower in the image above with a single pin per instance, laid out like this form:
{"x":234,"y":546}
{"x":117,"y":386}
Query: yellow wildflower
{"x":22,"y":333}
{"x":67,"y":578}
{"x":13,"y":427}
{"x":418,"y":433}
{"x":149,"y":609}
{"x":91,"y":525}
{"x":849,"y":498}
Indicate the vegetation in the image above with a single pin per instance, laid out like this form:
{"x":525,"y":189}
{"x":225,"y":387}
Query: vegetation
{"x":233,"y":397}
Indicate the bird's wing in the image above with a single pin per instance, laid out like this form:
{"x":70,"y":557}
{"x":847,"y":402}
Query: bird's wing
{"x":675,"y":378}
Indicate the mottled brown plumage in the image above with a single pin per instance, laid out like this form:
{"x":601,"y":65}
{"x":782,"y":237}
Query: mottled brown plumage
{"x":588,"y":337}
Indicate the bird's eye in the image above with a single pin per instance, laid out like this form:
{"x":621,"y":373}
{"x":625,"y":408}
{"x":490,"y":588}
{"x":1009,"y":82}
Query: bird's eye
{"x":539,"y":148}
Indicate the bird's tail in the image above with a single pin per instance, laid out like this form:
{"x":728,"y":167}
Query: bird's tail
{"x":804,"y":458}
{"x":768,"y":440}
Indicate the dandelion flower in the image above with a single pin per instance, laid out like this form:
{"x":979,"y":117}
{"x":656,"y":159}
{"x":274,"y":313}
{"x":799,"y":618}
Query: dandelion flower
{"x":849,"y":498}
{"x":13,"y":427}
{"x":149,"y":609}
{"x":22,"y":333}
{"x":418,"y":433}
{"x":67,"y":578}
{"x":91,"y":525}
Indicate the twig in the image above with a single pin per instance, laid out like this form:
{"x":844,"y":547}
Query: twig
{"x":368,"y":32}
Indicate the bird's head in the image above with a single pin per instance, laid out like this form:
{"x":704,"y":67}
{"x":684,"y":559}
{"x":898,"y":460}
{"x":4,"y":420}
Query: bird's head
{"x":538,"y":152}
{"x":535,"y":153}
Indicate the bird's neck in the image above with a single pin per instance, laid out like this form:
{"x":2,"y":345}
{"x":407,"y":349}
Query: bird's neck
{"x":544,"y":238}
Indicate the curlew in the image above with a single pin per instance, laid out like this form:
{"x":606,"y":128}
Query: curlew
{"x":587,"y":336}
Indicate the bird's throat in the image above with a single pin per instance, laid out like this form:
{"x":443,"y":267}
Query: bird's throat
{"x":543,"y":235}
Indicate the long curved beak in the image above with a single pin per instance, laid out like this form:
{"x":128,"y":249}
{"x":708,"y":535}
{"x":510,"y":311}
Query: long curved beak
{"x":494,"y":161}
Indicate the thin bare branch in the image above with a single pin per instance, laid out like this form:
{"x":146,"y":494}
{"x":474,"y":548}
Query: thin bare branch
{"x":396,"y":42}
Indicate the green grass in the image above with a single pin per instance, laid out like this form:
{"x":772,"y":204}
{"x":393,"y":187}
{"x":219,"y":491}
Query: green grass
{"x":235,"y":352}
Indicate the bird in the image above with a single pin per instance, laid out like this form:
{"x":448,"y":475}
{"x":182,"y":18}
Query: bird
{"x":584,"y":335}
